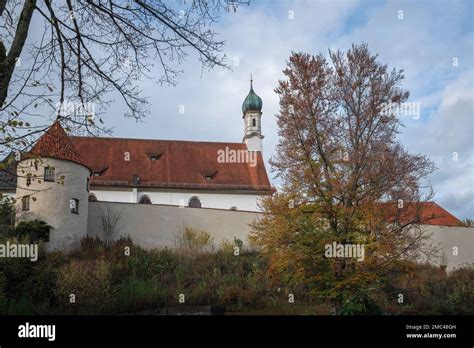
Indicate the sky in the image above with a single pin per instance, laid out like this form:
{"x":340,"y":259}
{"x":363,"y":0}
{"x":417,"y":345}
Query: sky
{"x":432,"y":41}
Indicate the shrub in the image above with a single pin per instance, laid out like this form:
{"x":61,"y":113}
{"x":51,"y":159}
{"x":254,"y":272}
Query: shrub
{"x":7,"y":215}
{"x":34,"y":231}
{"x":431,"y":291}
{"x":91,"y":284}
{"x":227,"y":247}
{"x":360,"y":303}
{"x":191,"y":242}
{"x":139,"y":294}
{"x":16,"y":272}
{"x":460,"y":291}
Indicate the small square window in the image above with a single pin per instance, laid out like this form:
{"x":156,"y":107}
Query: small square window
{"x":25,"y":203}
{"x":49,"y":174}
{"x":74,"y":205}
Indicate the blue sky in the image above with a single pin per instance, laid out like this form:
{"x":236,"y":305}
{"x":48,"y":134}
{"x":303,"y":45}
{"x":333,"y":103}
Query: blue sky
{"x":260,"y":38}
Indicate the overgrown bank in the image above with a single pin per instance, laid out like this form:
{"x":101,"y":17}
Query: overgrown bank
{"x":125,"y":278}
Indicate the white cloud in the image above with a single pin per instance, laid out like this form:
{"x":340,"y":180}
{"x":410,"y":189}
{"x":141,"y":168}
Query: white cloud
{"x":449,"y":135}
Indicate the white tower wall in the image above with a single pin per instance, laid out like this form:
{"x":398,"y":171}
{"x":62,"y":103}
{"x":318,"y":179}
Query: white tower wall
{"x":51,"y":201}
{"x":253,"y":130}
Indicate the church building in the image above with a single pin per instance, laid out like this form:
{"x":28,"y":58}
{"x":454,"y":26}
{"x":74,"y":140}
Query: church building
{"x":147,"y":171}
{"x":67,"y":180}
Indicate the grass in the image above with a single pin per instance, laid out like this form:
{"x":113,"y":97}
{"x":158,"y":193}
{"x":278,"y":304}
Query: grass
{"x":104,"y":280}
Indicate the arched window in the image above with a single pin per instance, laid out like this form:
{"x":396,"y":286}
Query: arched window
{"x":194,"y":202}
{"x":144,"y":200}
{"x":92,"y":198}
{"x":254,"y":122}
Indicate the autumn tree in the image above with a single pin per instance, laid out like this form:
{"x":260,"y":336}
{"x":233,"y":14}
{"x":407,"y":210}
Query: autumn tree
{"x":345,"y":177}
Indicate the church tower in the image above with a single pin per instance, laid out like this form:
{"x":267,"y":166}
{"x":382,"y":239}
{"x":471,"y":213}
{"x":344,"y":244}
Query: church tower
{"x":53,"y":185}
{"x":252,"y":114}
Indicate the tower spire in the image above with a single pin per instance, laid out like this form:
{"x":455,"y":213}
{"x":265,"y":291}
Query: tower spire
{"x":252,"y":113}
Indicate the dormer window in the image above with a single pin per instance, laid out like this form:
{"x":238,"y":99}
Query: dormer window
{"x":209,"y":176}
{"x":154,"y":156}
{"x":99,"y":172}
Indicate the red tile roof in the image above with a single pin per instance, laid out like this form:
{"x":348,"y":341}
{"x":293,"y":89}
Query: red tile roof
{"x":426,"y":213}
{"x":55,"y":143}
{"x":180,"y":164}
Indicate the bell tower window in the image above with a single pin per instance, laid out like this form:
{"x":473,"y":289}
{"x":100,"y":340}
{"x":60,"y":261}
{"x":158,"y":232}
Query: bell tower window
{"x":254,"y":122}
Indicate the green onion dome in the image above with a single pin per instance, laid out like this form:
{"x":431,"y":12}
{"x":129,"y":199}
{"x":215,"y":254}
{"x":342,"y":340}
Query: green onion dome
{"x":252,"y":101}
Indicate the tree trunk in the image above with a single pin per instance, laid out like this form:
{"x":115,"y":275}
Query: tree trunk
{"x":8,"y":61}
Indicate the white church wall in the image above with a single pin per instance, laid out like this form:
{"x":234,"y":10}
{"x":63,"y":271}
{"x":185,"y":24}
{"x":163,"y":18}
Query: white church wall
{"x":124,"y":195}
{"x":157,"y":226}
{"x":217,"y":200}
{"x":455,"y":245}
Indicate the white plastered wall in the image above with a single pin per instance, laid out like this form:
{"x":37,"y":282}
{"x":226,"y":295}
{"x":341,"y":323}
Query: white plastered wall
{"x":219,"y":200}
{"x":50,"y":201}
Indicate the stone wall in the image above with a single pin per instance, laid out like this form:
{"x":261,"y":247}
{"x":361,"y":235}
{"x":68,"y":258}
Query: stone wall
{"x":156,"y":226}
{"x":455,"y":245}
